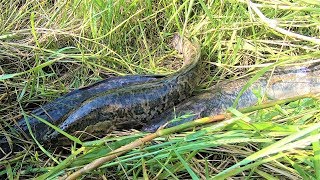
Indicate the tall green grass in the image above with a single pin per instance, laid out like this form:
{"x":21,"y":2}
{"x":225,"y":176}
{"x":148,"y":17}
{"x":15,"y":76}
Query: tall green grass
{"x":48,"y":48}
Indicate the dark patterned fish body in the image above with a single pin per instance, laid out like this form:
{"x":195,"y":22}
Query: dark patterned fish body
{"x":55,"y":110}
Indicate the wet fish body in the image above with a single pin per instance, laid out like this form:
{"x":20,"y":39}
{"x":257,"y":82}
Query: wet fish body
{"x":57,"y":109}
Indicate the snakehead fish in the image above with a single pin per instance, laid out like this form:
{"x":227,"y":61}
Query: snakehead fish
{"x":134,"y":105}
{"x":284,"y":83}
{"x":55,"y":110}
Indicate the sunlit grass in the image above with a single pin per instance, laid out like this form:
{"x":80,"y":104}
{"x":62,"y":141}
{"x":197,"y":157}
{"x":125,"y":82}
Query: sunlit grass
{"x":48,"y":48}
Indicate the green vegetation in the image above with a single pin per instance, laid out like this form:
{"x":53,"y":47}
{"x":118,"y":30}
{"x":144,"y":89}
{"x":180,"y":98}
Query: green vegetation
{"x":48,"y":48}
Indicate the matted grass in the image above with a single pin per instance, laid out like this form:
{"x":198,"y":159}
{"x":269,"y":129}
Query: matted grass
{"x":48,"y":48}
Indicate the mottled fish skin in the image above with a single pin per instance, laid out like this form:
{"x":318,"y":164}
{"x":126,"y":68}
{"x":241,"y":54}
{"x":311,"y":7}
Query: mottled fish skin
{"x":55,"y":110}
{"x":135,"y":105}
{"x":282,"y":84}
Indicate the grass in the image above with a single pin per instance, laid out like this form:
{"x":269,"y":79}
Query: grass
{"x":48,"y":48}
